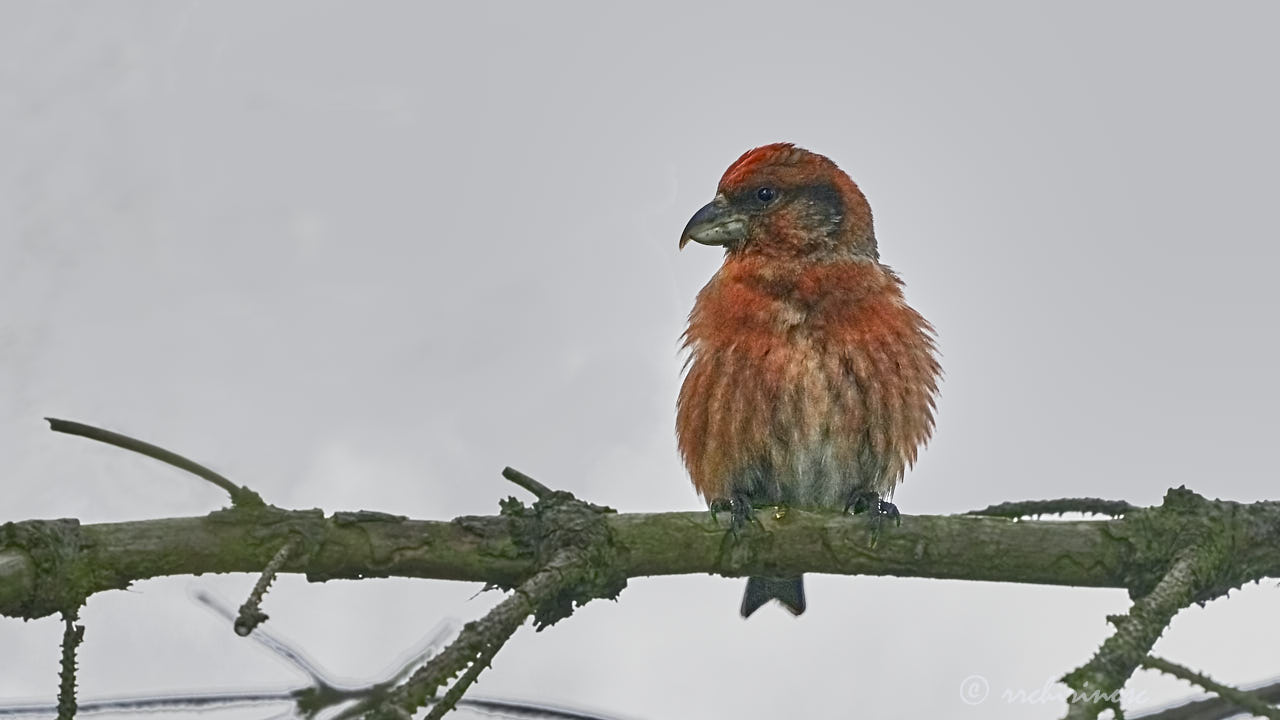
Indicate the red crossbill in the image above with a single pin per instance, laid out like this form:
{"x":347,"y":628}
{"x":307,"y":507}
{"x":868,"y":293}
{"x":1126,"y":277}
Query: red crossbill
{"x":810,"y":380}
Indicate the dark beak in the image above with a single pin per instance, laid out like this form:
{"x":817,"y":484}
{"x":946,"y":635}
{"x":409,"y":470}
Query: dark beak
{"x":717,"y":223}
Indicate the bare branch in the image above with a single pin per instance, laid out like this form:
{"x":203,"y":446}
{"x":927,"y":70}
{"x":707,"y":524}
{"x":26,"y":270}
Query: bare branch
{"x":1098,"y":682}
{"x":72,"y":636}
{"x":240,"y":496}
{"x":539,"y":490}
{"x":580,"y":564}
{"x":1255,"y":702}
{"x":251,"y":615}
{"x":1031,"y":508}
{"x":563,"y":552}
{"x":1131,"y":552}
{"x":320,"y":695}
{"x":1211,"y":708}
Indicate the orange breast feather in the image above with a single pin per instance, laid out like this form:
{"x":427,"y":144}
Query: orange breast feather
{"x":805,"y":382}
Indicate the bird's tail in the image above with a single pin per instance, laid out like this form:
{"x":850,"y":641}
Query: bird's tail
{"x":789,"y":592}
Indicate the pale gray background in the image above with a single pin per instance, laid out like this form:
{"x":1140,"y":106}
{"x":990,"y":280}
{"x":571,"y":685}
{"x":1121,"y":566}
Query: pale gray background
{"x":362,"y":255}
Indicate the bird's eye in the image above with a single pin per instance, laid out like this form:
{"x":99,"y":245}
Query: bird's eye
{"x":765,"y":194}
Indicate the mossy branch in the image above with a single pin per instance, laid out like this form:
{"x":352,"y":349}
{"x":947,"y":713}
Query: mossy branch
{"x":563,"y":552}
{"x":1132,"y":552}
{"x":1060,"y":506}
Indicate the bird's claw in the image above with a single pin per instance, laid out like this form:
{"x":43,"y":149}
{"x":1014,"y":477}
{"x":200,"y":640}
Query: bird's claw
{"x":869,"y":501}
{"x":740,"y":511}
{"x":877,"y":510}
{"x":886,"y":509}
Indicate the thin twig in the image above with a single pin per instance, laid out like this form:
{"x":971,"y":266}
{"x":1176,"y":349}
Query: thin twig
{"x":1027,"y":508}
{"x":1210,"y":708}
{"x":223,"y":700}
{"x":478,"y":641}
{"x":251,"y":615}
{"x":322,"y":694}
{"x":476,"y":637}
{"x":512,"y":709}
{"x":240,"y":496}
{"x":1242,"y":699}
{"x":136,"y":705}
{"x":478,"y":665}
{"x":281,"y":648}
{"x":581,"y":565}
{"x":539,"y":490}
{"x":72,"y":635}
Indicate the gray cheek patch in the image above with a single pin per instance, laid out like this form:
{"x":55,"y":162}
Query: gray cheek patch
{"x":822,"y":206}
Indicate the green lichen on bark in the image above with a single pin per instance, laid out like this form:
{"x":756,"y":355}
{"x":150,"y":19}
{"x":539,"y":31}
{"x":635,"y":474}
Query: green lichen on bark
{"x":60,"y":583}
{"x":1224,"y":533}
{"x":1131,"y":552}
{"x":561,"y":531}
{"x":1187,"y":550}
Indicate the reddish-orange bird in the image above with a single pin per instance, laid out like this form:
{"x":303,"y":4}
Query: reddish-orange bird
{"x":810,"y":380}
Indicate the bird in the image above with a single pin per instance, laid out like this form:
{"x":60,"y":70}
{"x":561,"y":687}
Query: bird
{"x":809,"y":381}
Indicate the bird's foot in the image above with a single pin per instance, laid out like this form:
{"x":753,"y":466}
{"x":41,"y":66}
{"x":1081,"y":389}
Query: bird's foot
{"x":869,"y":501}
{"x":877,"y":510}
{"x":739,"y":508}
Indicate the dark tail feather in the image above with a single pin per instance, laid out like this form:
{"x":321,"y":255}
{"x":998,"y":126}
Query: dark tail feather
{"x":789,"y":592}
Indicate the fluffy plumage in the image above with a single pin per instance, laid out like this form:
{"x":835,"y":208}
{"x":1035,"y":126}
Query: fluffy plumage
{"x":809,"y":377}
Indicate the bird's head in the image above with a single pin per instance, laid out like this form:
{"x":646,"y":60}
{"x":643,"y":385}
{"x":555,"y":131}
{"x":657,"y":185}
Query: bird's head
{"x":782,"y":200}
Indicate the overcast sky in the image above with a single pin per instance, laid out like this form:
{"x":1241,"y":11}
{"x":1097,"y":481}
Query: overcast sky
{"x":363,"y":255}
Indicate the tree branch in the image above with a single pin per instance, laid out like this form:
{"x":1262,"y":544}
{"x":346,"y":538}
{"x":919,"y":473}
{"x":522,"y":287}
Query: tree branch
{"x":539,"y":490}
{"x":72,"y":636}
{"x":251,"y":615}
{"x":579,"y":564}
{"x":1029,"y":508}
{"x":1256,"y":702}
{"x":1211,"y":708}
{"x":1201,"y":554}
{"x":240,"y":496}
{"x":1133,"y":552}
{"x":564,"y":551}
{"x":1098,"y":682}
